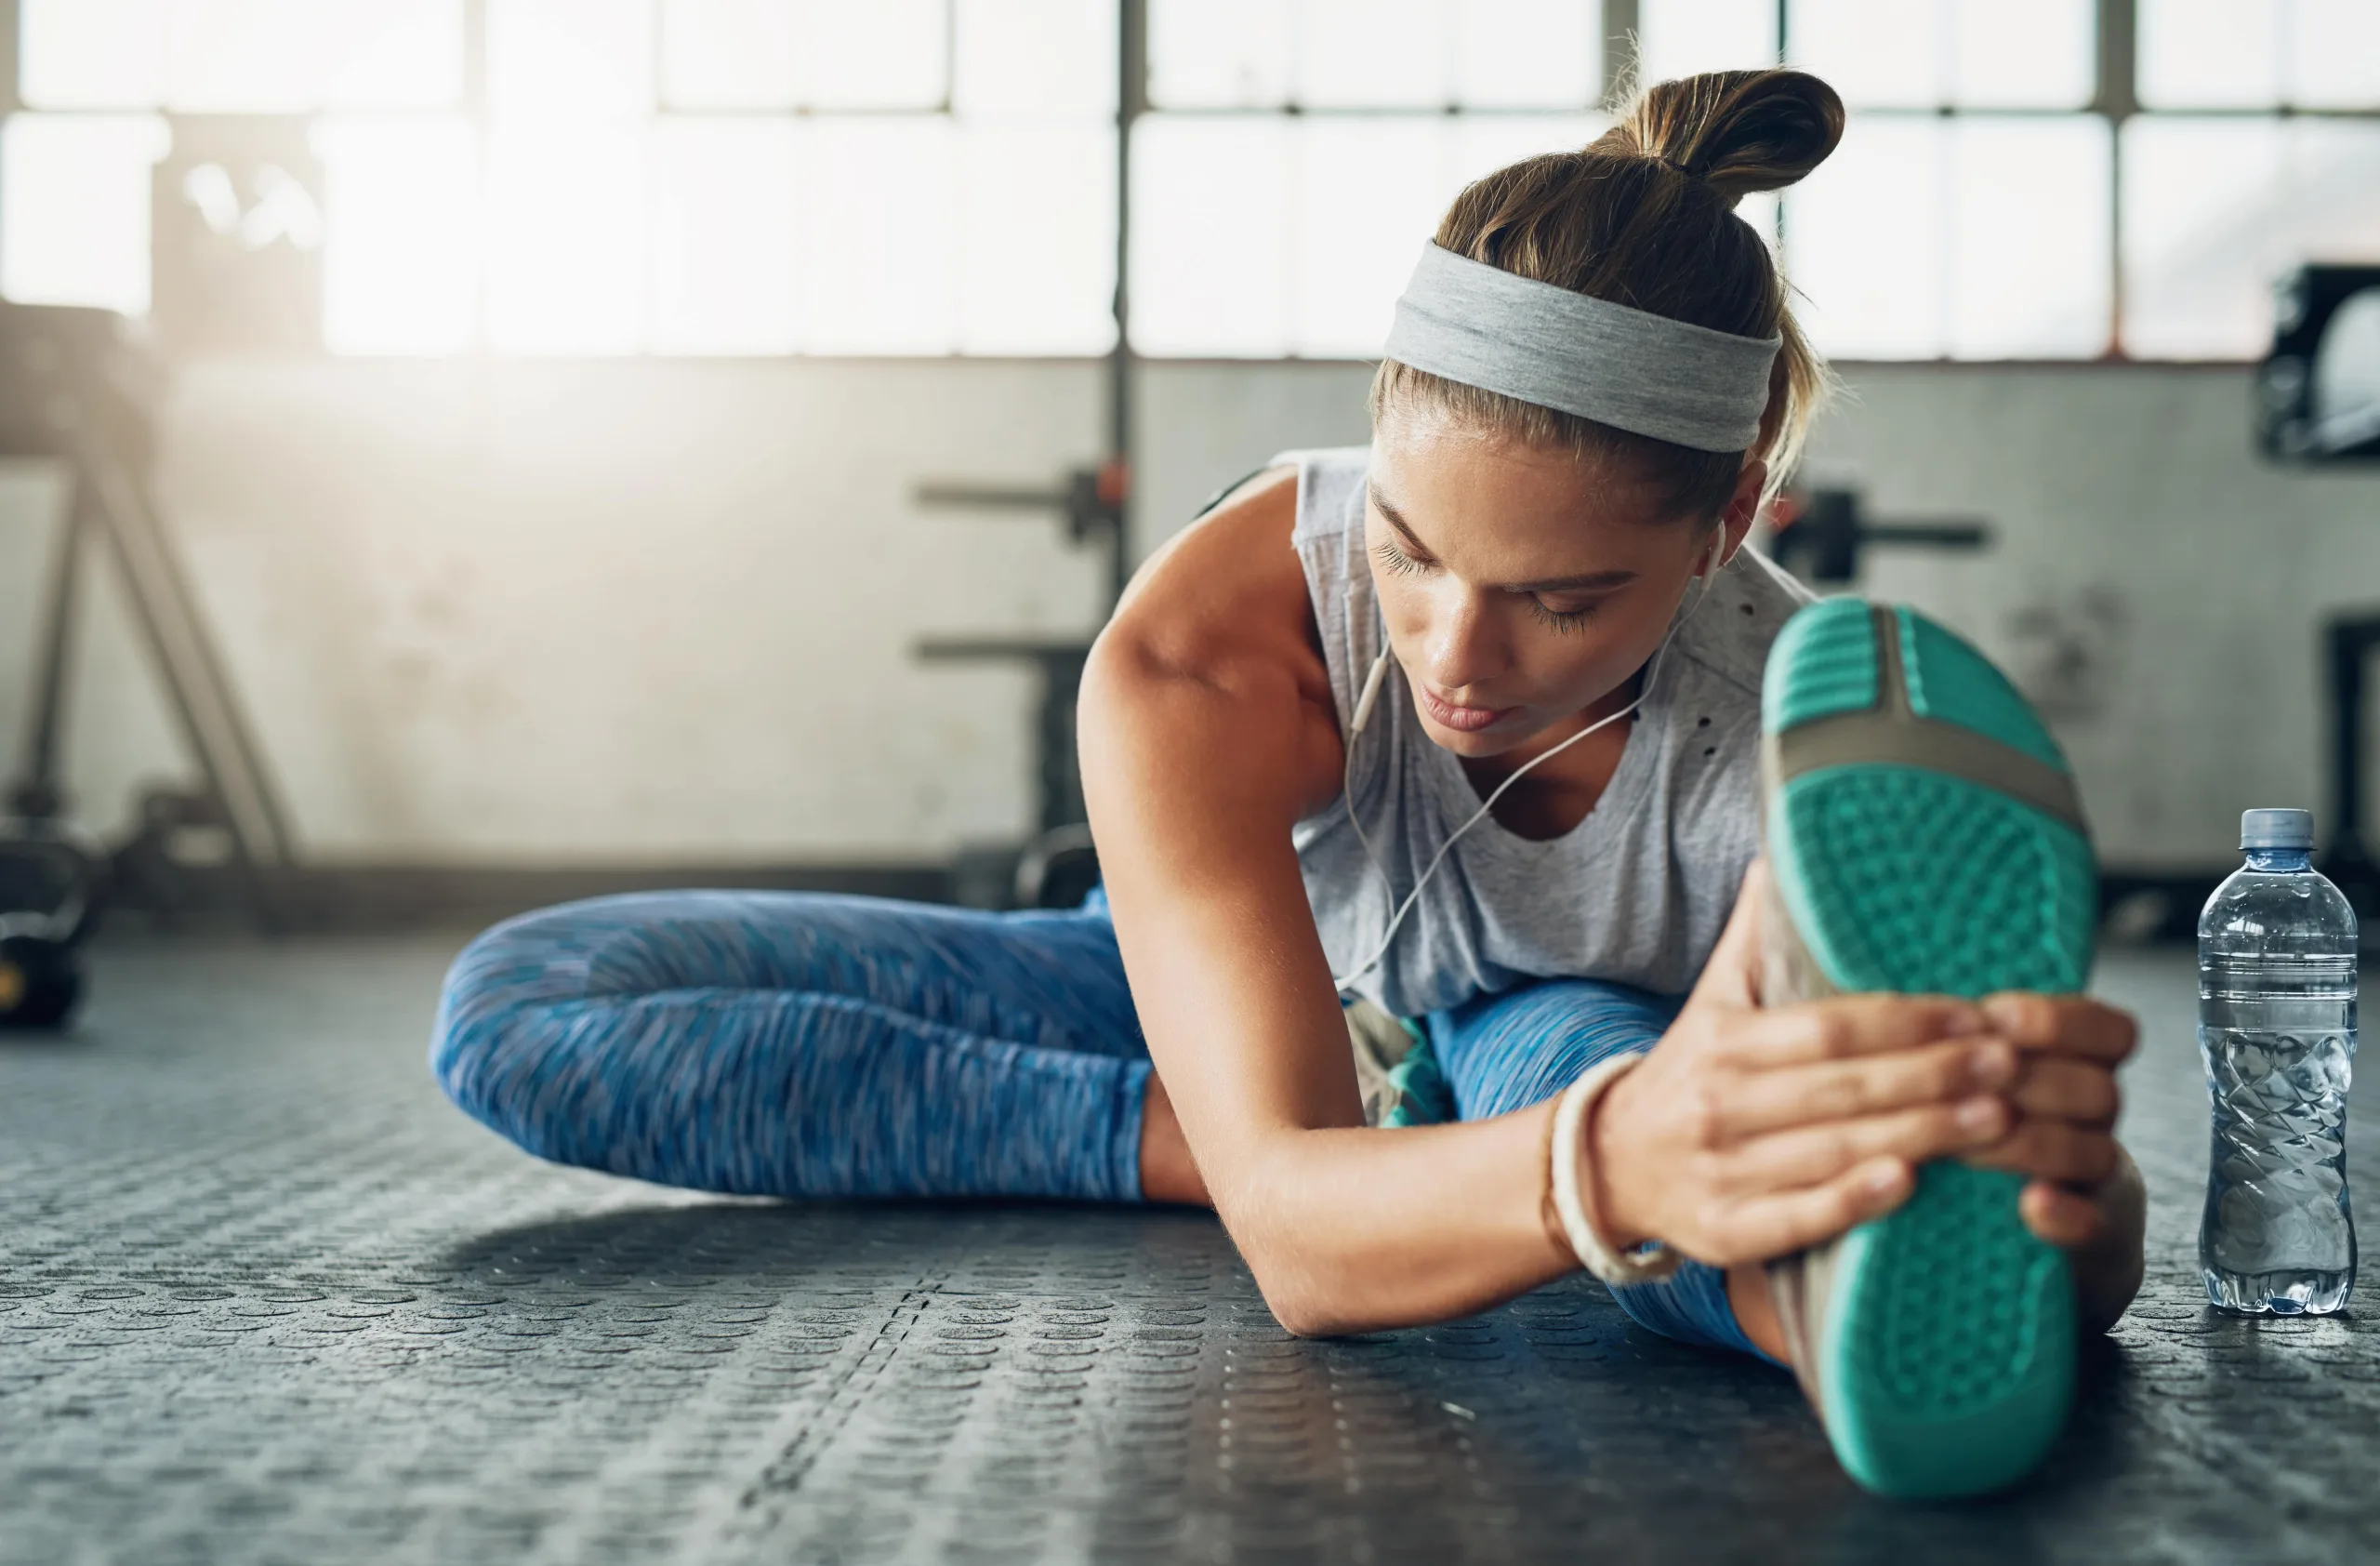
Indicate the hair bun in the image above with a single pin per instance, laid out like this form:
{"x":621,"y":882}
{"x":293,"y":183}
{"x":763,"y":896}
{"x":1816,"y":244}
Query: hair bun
{"x":1738,"y":131}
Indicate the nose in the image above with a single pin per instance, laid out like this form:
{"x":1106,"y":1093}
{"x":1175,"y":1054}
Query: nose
{"x":1460,"y":646}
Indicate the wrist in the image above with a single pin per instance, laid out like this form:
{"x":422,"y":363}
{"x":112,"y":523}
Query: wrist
{"x":1603,"y":1167}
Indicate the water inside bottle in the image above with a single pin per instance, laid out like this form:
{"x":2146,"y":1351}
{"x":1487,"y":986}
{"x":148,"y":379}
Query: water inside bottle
{"x":2277,"y":1036}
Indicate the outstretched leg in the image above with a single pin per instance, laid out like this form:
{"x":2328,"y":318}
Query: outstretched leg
{"x":788,"y":1044}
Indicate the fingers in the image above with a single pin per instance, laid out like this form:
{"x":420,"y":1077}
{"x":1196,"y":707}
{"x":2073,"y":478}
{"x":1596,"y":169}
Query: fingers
{"x":2058,"y":1088}
{"x":1743,"y":1104}
{"x":1772,"y":1226}
{"x":2052,"y":1149}
{"x":2061,"y":1216}
{"x":1848,"y":1026}
{"x":1810,"y":1155}
{"x":2071,"y":1025}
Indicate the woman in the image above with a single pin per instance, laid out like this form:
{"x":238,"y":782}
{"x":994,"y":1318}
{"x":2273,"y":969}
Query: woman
{"x":1467,"y":729}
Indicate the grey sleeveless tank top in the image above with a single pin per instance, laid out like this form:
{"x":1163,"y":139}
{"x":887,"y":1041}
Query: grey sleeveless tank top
{"x":1636,"y":893}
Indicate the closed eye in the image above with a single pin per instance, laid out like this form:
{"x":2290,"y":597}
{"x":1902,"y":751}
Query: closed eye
{"x":1396,"y":560}
{"x":1562,"y":619}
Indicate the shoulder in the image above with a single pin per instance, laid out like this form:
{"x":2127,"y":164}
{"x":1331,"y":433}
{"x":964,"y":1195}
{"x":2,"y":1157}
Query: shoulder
{"x":1213,"y":645}
{"x":1730,"y":633}
{"x":1227,"y":588}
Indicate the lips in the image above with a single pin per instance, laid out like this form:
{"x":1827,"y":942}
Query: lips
{"x":1468,"y":720}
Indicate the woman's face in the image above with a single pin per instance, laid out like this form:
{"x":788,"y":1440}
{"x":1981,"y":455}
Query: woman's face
{"x":1521,"y":586}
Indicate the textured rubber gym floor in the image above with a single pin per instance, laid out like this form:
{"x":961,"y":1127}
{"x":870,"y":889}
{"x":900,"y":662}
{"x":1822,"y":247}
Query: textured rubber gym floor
{"x":264,"y":1297}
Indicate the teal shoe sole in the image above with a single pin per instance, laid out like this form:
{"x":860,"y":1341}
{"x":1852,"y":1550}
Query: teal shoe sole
{"x":1924,"y":838}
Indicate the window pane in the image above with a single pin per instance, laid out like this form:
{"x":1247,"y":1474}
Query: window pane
{"x":1529,"y":54}
{"x":1037,"y":261}
{"x":401,"y":206}
{"x":2028,"y":239}
{"x":1863,"y":242}
{"x":2334,"y":55}
{"x":1227,"y":54}
{"x":565,"y":249}
{"x":879,"y":236}
{"x":886,"y":54}
{"x":2210,"y":54}
{"x":723,"y":205}
{"x":2205,"y":230}
{"x":1043,"y":57}
{"x":260,"y":57}
{"x":730,"y":54}
{"x":1876,"y":53}
{"x":74,"y":208}
{"x":1372,"y":54}
{"x":2024,"y":53}
{"x":575,"y":56}
{"x":1684,"y":37}
{"x":2335,"y":188}
{"x":1760,"y":210}
{"x":1210,"y":236}
{"x":1371,"y":194}
{"x":92,"y":54}
{"x":1485,"y":144}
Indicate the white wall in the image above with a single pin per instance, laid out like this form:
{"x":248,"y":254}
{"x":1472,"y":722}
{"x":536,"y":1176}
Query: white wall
{"x":621,"y":611}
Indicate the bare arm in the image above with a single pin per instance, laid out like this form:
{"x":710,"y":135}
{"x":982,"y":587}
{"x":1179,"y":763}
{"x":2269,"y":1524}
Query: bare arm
{"x":1207,"y":731}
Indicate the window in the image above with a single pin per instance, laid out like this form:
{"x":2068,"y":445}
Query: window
{"x":709,"y":177}
{"x":932,"y":177}
{"x":2222,"y":192}
{"x":1299,"y":153}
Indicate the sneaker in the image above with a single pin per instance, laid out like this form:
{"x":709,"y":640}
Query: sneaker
{"x":1925,"y":837}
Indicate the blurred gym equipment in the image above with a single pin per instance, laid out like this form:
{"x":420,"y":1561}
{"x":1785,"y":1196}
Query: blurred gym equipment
{"x":76,"y":388}
{"x":1057,"y":866}
{"x":1819,"y":534}
{"x":2318,"y":401}
{"x":2318,"y":390}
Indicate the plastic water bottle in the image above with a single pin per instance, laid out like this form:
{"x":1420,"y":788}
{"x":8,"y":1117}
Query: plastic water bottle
{"x":2276,"y":1029}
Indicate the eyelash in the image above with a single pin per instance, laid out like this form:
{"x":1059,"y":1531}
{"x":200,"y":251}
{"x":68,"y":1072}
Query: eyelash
{"x":1562,"y":620}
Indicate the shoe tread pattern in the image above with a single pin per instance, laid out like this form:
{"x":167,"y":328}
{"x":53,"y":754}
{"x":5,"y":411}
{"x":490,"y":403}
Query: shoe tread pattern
{"x":1832,"y":648}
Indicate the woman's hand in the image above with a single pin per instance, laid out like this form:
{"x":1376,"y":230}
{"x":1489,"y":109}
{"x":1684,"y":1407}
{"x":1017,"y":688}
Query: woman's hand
{"x":1751,"y":1133}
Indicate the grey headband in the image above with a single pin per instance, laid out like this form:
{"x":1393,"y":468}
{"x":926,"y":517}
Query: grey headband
{"x":1646,"y":374}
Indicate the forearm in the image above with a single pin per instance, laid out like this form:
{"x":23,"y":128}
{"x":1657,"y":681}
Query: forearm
{"x":1354,"y":1230}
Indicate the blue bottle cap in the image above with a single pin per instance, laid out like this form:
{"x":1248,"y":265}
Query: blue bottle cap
{"x":2276,"y":829}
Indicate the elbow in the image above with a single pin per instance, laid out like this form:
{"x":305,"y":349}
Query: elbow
{"x":1303,"y":1299}
{"x":1303,"y":1312}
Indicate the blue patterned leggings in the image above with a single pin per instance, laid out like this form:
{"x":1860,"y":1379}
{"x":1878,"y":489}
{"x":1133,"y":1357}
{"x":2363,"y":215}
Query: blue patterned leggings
{"x":788,"y":1044}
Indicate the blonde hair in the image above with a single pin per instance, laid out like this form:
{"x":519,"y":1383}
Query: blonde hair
{"x":1645,"y":216}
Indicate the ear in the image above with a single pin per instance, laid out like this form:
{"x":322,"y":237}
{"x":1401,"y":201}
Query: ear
{"x":1743,"y":506}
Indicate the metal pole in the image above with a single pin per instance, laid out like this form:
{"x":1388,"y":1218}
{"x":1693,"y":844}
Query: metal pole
{"x":1618,"y":48}
{"x":2119,"y":99}
{"x":1132,"y":102}
{"x":39,"y":798}
{"x":194,"y":672}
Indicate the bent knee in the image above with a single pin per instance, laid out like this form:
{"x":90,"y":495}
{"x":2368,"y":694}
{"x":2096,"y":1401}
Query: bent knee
{"x":491,"y":1009}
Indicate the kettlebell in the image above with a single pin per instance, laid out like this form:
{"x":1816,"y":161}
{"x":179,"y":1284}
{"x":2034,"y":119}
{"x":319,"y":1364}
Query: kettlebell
{"x":40,"y":981}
